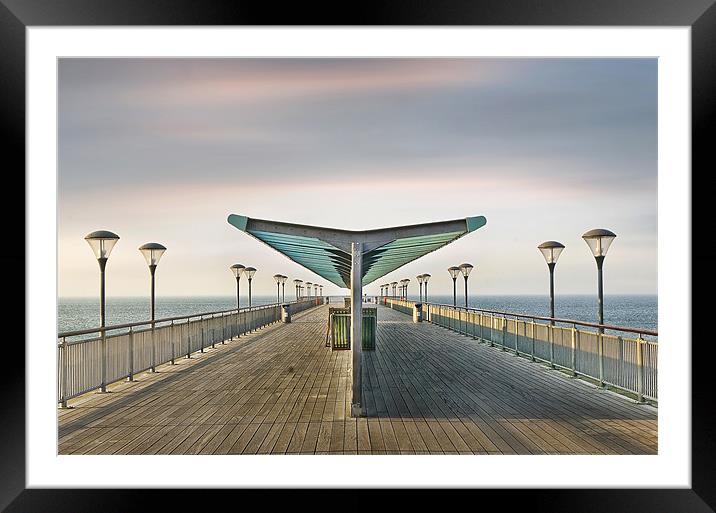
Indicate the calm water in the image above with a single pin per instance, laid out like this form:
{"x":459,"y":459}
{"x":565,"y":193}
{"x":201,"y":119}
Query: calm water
{"x":621,"y":310}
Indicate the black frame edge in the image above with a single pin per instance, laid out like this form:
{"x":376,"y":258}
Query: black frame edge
{"x":12,"y":147}
{"x":699,"y":14}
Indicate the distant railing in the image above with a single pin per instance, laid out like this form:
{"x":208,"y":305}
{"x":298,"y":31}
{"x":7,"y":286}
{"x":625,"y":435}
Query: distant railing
{"x":91,"y":359}
{"x":623,"y":358}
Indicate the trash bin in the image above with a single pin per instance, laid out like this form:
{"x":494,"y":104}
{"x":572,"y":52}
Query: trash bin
{"x":418,"y":312}
{"x":285,"y":313}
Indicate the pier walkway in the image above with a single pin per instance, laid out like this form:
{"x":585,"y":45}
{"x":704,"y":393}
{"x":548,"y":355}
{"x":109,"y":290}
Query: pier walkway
{"x":426,"y":390}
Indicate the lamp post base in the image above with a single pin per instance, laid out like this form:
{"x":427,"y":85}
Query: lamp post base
{"x":357,"y":411}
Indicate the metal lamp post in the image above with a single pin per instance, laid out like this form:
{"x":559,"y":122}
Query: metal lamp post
{"x":283,"y":288}
{"x":249,"y":271}
{"x":599,"y":241}
{"x":420,"y":282}
{"x":466,"y":268}
{"x":454,"y":272}
{"x":152,"y":252}
{"x":102,"y":243}
{"x":551,"y":251}
{"x":426,"y":278}
{"x":277,"y":278}
{"x":237,"y":270}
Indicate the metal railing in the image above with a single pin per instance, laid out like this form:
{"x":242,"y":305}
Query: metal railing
{"x":623,"y":358}
{"x":93,"y":358}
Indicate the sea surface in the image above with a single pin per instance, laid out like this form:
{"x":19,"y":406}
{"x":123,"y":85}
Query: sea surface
{"x":637,"y":311}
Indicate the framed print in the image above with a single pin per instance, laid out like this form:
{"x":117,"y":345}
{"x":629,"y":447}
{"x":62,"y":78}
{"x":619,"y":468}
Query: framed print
{"x":429,"y":247}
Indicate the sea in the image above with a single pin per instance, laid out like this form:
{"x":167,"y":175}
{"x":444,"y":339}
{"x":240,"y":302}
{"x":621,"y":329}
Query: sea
{"x":635,"y":311}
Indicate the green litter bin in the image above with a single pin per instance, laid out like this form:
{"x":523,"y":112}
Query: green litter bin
{"x":339,"y":328}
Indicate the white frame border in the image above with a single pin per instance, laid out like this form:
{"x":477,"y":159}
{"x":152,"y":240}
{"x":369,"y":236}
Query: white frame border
{"x":670,"y":468}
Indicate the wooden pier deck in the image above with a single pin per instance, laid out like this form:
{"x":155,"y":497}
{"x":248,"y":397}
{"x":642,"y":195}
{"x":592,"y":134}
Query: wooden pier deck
{"x":427,"y":390}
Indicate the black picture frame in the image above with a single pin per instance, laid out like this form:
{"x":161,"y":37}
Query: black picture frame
{"x":700,"y":15}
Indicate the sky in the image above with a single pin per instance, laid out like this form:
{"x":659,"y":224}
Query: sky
{"x":163,"y":150}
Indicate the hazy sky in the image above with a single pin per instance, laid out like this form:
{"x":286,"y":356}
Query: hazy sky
{"x":162,"y":150}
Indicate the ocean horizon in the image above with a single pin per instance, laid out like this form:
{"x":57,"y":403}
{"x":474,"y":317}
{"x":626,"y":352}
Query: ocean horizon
{"x":624,"y":310}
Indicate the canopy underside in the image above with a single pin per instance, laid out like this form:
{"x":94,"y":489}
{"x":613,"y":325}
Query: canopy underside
{"x":326,"y":251}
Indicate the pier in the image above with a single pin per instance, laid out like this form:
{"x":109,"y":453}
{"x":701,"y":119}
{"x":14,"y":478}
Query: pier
{"x":426,"y":389}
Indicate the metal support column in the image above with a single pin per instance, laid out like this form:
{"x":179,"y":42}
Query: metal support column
{"x":356,"y":326}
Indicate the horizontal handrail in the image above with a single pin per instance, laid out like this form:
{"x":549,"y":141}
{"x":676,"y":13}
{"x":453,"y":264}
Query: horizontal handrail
{"x":626,"y":329}
{"x":167,"y":319}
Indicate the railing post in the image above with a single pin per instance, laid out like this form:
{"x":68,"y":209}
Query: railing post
{"x":201,"y":327}
{"x":532,"y":332}
{"x":492,"y":325}
{"x":575,"y":335}
{"x":103,"y":376}
{"x":154,"y":350}
{"x":600,"y":350}
{"x":517,"y":335}
{"x":223,"y":329}
{"x":188,"y":337}
{"x":64,"y":370}
{"x":172,"y":337}
{"x":550,"y":331}
{"x":481,"y":321}
{"x":639,"y":369}
{"x":131,"y":355}
{"x":504,"y":333}
{"x":620,"y":365}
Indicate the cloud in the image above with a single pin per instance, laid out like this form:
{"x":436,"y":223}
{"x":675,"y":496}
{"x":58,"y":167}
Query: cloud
{"x":548,"y":146}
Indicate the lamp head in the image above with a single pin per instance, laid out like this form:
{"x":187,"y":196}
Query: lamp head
{"x":152,"y":252}
{"x":466,"y":269}
{"x":102,"y":242}
{"x":237,"y":270}
{"x":551,"y":250}
{"x":599,"y":241}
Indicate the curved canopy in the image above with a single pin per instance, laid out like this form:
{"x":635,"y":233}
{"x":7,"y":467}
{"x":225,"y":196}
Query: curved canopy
{"x":327,"y":251}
